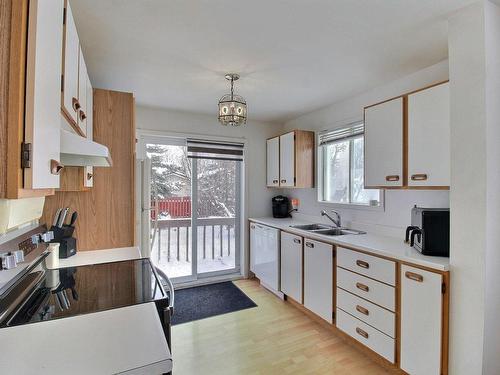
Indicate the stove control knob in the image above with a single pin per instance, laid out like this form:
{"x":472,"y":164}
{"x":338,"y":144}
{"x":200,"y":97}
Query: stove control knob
{"x":8,"y":261}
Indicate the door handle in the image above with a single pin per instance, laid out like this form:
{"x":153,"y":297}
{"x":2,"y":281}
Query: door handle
{"x":296,"y":240}
{"x":393,"y":177}
{"x":310,"y":244}
{"x":414,"y":276}
{"x":419,"y":177}
{"x":283,"y":181}
{"x":75,"y":104}
{"x":89,"y":176}
{"x":362,"y":264}
{"x":275,"y":181}
{"x":362,"y":287}
{"x":55,"y":167}
{"x":83,"y":116}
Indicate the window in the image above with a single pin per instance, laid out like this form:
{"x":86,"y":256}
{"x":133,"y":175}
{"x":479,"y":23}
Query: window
{"x":340,"y":168}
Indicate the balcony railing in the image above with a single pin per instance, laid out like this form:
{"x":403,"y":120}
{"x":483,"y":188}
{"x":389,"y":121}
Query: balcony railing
{"x":215,"y":238}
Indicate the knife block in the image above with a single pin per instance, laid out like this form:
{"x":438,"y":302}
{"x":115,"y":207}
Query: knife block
{"x":64,"y":237}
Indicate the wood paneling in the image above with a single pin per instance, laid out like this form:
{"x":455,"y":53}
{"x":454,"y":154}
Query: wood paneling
{"x":106,"y":212}
{"x":304,"y":159}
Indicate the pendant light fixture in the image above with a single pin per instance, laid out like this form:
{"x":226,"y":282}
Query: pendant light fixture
{"x":232,"y":108}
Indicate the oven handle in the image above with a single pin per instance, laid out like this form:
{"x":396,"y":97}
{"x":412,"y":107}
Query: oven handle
{"x":168,"y":283}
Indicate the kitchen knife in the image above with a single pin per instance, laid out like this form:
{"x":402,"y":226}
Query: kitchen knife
{"x":74,"y":216}
{"x":62,"y":217}
{"x":56,"y":217}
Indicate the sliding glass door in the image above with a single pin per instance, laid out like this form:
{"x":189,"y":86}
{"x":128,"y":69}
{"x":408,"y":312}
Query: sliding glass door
{"x":195,"y":189}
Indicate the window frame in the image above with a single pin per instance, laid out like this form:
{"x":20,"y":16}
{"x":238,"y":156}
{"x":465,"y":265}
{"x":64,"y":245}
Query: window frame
{"x":321,"y":171}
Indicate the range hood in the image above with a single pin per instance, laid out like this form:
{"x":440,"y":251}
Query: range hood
{"x":77,"y":151}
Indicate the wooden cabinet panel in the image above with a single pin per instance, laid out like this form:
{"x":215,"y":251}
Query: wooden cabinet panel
{"x":429,"y":137}
{"x":106,"y":212}
{"x":318,"y":278}
{"x":384,"y":144}
{"x":89,"y":171}
{"x":421,"y":322}
{"x":287,"y":160}
{"x":71,"y":56}
{"x":43,"y":74}
{"x":291,"y":266}
{"x":273,"y":162}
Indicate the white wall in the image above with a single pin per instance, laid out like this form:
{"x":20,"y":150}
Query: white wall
{"x":398,"y":204}
{"x":474,"y":54}
{"x":491,"y":361}
{"x":258,"y":197}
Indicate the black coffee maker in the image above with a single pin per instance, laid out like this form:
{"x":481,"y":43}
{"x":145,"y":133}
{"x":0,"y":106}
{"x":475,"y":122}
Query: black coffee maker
{"x":281,"y":207}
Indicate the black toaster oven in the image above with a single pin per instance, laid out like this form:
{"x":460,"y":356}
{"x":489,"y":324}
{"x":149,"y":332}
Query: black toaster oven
{"x":429,"y":231}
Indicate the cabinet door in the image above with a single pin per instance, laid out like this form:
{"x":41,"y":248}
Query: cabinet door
{"x":273,"y":161}
{"x":384,"y":144}
{"x":89,"y":171}
{"x":421,"y":323}
{"x":429,"y":137}
{"x":291,"y":266}
{"x":318,"y":278}
{"x":71,"y":55}
{"x":287,"y":159}
{"x":82,"y":94}
{"x":43,"y":90}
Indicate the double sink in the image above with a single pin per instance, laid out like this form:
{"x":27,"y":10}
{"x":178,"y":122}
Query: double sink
{"x":326,"y":230}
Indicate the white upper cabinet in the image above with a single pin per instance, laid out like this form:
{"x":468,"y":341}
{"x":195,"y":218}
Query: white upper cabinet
{"x":273,"y":162}
{"x":384,"y":144}
{"x":43,"y":90}
{"x":82,"y":94}
{"x":71,"y":52}
{"x":287,"y":160}
{"x":429,"y":137}
{"x":421,"y":321}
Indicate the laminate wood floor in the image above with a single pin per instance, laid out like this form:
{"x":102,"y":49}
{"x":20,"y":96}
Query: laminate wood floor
{"x":273,"y":338}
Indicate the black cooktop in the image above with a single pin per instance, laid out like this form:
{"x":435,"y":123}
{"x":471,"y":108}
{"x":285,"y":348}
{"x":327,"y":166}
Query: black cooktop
{"x":86,"y":289}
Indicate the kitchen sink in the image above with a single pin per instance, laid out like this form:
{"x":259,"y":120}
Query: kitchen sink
{"x":311,"y":227}
{"x":326,"y":230}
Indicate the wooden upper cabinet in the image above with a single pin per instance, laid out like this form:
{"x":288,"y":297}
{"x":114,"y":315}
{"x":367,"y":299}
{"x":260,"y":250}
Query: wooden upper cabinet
{"x":70,"y":103}
{"x":273,"y":162}
{"x":429,"y":137}
{"x":43,"y":77}
{"x":290,"y":160}
{"x":384,"y":144}
{"x":287,"y":160}
{"x":407,"y":140}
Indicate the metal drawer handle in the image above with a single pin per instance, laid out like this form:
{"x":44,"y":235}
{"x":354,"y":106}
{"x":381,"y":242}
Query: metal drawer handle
{"x":362,"y":287}
{"x":362,"y":310}
{"x":275,"y":181}
{"x":309,"y":244}
{"x":283,"y":181}
{"x":296,"y":240}
{"x":252,"y":226}
{"x":362,"y":264}
{"x":55,"y":167}
{"x":419,"y":177}
{"x":414,"y":276}
{"x":393,"y":177}
{"x":360,"y":332}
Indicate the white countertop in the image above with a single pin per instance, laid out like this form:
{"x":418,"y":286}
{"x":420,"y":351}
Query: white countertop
{"x":82,"y":258}
{"x":375,"y":244}
{"x":128,"y":339}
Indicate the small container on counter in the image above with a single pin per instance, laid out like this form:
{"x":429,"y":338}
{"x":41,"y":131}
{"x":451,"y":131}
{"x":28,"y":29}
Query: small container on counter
{"x":52,"y":260}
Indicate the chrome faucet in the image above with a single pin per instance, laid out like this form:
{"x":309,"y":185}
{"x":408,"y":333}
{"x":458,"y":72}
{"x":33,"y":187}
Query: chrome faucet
{"x":337,"y":221}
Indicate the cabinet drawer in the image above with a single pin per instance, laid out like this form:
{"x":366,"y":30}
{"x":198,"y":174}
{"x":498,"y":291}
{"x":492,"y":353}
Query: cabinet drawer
{"x":367,"y":335}
{"x":368,"y":265}
{"x":374,"y":315}
{"x":374,"y":291}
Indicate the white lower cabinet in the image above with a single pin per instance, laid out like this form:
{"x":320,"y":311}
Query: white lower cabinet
{"x":264,"y":255}
{"x":421,"y":321}
{"x":291,"y":266}
{"x":318,"y":278}
{"x":366,"y":334}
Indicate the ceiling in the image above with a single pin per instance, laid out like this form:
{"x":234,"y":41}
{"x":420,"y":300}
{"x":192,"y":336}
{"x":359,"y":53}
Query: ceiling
{"x":294,"y":56}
